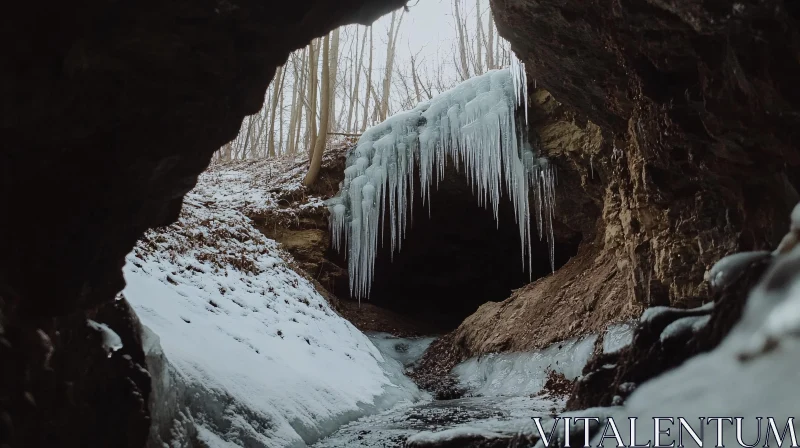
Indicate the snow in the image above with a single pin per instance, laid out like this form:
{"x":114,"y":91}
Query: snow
{"x":514,"y":374}
{"x":618,"y":336}
{"x":111,"y":340}
{"x":653,"y":313}
{"x":252,"y":354}
{"x":452,"y":434}
{"x":406,"y":351}
{"x":473,"y":124}
{"x":684,"y":325}
{"x":794,"y":218}
{"x":500,"y":415}
{"x":728,"y":269}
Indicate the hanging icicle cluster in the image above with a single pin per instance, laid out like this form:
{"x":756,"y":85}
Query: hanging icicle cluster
{"x":474,"y":123}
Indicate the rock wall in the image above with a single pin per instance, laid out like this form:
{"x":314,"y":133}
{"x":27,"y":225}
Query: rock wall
{"x":699,"y":117}
{"x":110,"y":112}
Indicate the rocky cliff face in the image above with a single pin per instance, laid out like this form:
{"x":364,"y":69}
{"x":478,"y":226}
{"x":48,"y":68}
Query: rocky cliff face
{"x":110,"y":112}
{"x":699,"y":118}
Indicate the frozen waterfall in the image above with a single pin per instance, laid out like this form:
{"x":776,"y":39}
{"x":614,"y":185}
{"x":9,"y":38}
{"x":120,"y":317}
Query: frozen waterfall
{"x":474,"y":124}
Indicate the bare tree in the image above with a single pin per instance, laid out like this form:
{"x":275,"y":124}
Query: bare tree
{"x":369,"y":82}
{"x":297,"y":111}
{"x":357,"y":75}
{"x":478,"y":41}
{"x":415,"y":77}
{"x":277,"y":87}
{"x":490,"y":62}
{"x":394,"y":29}
{"x":325,"y":107}
{"x":311,"y":118}
{"x":333,"y":66}
{"x":462,"y":40}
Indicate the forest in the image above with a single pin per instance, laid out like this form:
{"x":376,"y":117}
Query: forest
{"x":357,"y":76}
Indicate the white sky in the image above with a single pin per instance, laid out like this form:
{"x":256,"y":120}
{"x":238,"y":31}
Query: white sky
{"x":428,"y":27}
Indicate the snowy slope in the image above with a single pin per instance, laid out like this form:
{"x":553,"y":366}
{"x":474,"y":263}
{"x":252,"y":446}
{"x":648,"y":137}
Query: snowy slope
{"x":254,"y":355}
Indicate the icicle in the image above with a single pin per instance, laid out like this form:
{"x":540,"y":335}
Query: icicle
{"x":474,"y":124}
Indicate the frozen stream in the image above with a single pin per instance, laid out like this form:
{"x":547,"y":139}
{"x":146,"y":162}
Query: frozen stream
{"x":503,"y":392}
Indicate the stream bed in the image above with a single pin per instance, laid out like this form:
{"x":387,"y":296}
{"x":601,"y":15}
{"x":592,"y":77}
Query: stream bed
{"x":391,"y":428}
{"x":504,"y":392}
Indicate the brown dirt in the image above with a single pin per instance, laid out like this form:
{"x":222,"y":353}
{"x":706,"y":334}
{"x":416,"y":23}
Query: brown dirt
{"x":557,"y":384}
{"x":433,"y":370}
{"x":582,"y":297}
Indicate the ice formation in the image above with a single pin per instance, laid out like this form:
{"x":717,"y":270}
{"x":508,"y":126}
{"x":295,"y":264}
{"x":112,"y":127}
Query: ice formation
{"x":406,"y":351}
{"x":111,"y":340}
{"x":475,"y":125}
{"x":618,"y":336}
{"x":516,"y":374}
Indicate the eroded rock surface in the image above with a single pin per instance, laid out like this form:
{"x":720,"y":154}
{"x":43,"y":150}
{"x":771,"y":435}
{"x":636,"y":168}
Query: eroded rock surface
{"x":700,"y":120}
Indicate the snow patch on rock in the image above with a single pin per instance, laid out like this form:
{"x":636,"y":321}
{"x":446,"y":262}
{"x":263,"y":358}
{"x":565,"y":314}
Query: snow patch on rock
{"x":111,"y":340}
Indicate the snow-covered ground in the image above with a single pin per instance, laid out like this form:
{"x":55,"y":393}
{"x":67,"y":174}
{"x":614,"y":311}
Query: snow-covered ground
{"x":243,"y":350}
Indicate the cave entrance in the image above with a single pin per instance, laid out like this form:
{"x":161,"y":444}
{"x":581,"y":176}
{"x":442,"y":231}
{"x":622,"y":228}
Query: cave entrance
{"x":453,"y":261}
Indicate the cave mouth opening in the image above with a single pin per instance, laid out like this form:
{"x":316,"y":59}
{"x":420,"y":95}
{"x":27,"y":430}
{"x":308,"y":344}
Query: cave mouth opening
{"x":454,"y":258}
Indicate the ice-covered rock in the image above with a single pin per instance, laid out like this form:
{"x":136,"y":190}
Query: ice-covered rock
{"x":684,"y":326}
{"x":406,"y":351}
{"x":111,"y":340}
{"x":618,"y":336}
{"x":728,"y":269}
{"x":506,"y":374}
{"x":458,"y":436}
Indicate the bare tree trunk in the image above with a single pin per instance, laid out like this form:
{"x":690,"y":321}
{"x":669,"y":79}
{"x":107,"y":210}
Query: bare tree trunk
{"x":325,"y":107}
{"x":311,"y":119}
{"x":299,"y":104}
{"x":387,"y":76}
{"x":478,"y":39}
{"x":462,"y":44}
{"x":415,"y":79}
{"x":257,"y":149}
{"x":247,"y":137}
{"x":294,"y":106}
{"x":354,"y":96}
{"x":369,"y":82}
{"x":281,"y":142}
{"x":277,"y":85}
{"x":334,"y":68}
{"x":490,"y":64}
